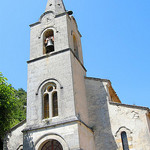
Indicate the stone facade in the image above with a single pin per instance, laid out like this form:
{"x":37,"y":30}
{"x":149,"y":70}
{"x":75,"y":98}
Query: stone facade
{"x":14,"y":138}
{"x":108,"y":119}
{"x":90,"y":115}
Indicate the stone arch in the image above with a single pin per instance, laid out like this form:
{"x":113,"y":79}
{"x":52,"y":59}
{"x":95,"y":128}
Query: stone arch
{"x":118,"y":136}
{"x":47,"y":28}
{"x":20,"y":147}
{"x":44,"y":139}
{"x":39,"y":95}
{"x":75,"y":45}
{"x":121,"y":129}
{"x":52,"y":145}
{"x":49,"y":93}
{"x":47,"y":81}
{"x":48,"y":41}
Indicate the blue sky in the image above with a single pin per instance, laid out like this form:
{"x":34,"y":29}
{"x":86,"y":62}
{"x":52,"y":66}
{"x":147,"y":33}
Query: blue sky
{"x":115,"y":42}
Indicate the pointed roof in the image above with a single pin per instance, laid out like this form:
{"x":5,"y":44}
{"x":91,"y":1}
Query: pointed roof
{"x":57,"y":6}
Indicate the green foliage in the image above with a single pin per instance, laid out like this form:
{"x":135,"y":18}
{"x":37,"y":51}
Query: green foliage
{"x":7,"y":99}
{"x":20,"y":106}
{"x":12,"y":105}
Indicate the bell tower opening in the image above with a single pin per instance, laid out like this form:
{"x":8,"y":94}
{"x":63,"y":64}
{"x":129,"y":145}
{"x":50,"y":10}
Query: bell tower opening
{"x":75,"y":44}
{"x":48,"y":41}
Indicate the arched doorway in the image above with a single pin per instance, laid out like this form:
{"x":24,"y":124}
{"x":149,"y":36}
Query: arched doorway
{"x":52,"y":145}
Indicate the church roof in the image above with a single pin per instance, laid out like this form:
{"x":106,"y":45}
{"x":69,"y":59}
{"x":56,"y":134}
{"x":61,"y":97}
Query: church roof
{"x":18,"y":125}
{"x":130,"y":106}
{"x":113,"y":93}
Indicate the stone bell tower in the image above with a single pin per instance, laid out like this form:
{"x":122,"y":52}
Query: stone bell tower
{"x":57,"y":114}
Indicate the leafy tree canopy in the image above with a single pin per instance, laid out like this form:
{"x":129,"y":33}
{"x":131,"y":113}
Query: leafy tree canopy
{"x":12,"y":106}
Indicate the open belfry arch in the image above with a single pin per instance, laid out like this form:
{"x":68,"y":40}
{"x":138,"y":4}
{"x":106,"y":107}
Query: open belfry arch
{"x":65,"y":109}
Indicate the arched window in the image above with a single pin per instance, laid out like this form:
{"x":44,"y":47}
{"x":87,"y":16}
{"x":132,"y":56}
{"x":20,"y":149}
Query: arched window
{"x":50,"y":101}
{"x":52,"y":145}
{"x":75,"y":44}
{"x":46,"y":106}
{"x":48,"y":41}
{"x":124,"y":141}
{"x":55,"y":104}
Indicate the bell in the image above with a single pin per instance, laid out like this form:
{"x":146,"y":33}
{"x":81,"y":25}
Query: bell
{"x":49,"y":46}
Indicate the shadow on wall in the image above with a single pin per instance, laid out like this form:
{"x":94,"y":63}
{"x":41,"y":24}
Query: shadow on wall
{"x":99,"y":115}
{"x":28,"y":142}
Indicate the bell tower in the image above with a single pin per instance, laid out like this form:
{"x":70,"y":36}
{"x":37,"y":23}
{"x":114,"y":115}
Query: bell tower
{"x":56,"y":100}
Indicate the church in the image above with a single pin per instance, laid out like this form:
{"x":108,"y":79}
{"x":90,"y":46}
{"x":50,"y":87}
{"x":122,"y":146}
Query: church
{"x":66,"y":110}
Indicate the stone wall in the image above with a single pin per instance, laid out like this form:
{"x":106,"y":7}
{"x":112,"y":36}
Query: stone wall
{"x":48,"y":21}
{"x":14,"y":138}
{"x":55,"y":69}
{"x":109,"y":119}
{"x":99,"y":117}
{"x":132,"y":120}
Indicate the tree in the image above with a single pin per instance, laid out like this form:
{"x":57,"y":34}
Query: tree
{"x":7,"y":99}
{"x":7,"y":103}
{"x":20,"y":106}
{"x":12,"y":106}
